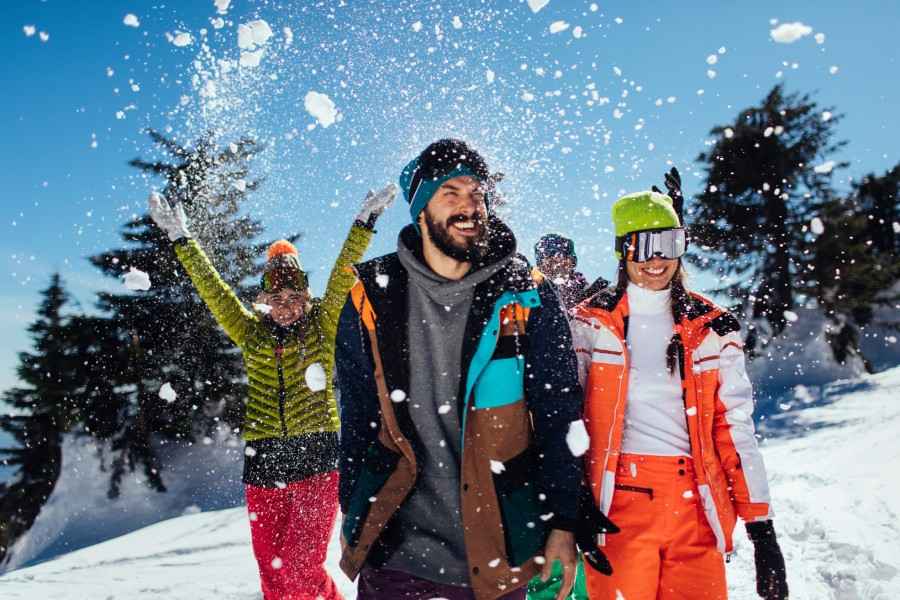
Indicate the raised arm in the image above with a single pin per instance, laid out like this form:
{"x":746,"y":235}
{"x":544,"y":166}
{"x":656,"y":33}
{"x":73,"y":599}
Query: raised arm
{"x":227,"y":309}
{"x":225,"y":306}
{"x":342,"y":277}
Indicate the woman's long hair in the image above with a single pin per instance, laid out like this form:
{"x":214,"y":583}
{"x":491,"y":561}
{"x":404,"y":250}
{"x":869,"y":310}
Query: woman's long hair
{"x":678,"y":300}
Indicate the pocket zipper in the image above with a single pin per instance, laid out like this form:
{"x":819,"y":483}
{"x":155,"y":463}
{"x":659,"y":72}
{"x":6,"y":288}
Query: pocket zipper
{"x":634,"y":488}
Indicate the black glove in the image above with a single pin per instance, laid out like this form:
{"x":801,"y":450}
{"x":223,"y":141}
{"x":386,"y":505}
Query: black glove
{"x":771,"y":575}
{"x":673,"y":187}
{"x":591,"y":522}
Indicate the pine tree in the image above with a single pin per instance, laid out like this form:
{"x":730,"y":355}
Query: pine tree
{"x":165,"y":334}
{"x":762,"y":186}
{"x":44,"y":408}
{"x":853,"y":263}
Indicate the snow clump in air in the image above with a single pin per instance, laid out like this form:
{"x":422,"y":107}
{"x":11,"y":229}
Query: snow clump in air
{"x":557,"y":26}
{"x":315,"y":377}
{"x":537,"y":5}
{"x":135,"y":279}
{"x":398,"y":396}
{"x":577,"y":438}
{"x":180,"y":38}
{"x":222,"y":6}
{"x":252,"y":59}
{"x":321,"y":107}
{"x":167,"y":393}
{"x":825,"y":167}
{"x":788,"y":33}
{"x":497,"y":467}
{"x":131,"y":20}
{"x":252,"y":37}
{"x":254,"y":33}
{"x":262,"y":308}
{"x":817,"y":226}
{"x":29,"y":30}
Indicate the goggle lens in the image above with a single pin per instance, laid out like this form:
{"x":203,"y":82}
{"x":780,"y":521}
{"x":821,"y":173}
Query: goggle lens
{"x":642,"y":246}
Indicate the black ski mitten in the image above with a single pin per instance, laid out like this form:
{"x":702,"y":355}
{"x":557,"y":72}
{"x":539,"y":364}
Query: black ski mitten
{"x":771,"y":575}
{"x":673,"y":189}
{"x":591,"y":522}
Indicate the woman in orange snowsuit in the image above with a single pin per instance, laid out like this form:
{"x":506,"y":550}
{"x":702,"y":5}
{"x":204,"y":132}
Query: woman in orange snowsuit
{"x":673,"y":459}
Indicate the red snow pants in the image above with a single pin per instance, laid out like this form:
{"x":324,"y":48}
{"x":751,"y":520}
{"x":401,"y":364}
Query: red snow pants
{"x":666,"y":549}
{"x":290,"y":528}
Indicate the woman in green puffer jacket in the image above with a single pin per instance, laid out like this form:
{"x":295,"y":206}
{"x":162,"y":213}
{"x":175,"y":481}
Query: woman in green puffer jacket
{"x":291,"y":423}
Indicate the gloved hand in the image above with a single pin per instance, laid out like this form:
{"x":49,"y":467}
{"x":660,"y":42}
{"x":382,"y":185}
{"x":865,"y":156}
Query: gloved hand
{"x":591,"y":522}
{"x":171,"y":220}
{"x":771,"y":575}
{"x":673,"y":188}
{"x":375,"y":202}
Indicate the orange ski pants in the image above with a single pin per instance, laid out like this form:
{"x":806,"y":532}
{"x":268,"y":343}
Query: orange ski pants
{"x":666,"y":549}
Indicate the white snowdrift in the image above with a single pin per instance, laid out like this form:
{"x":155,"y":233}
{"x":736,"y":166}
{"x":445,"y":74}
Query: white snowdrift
{"x":834,"y":483}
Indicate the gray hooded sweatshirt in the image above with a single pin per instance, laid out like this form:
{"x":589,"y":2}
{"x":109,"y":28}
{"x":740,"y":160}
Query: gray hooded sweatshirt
{"x":433,"y":547}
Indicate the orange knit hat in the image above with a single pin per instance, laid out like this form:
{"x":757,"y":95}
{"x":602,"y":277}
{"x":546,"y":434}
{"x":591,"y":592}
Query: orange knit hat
{"x":280,"y":248}
{"x":283,"y":268}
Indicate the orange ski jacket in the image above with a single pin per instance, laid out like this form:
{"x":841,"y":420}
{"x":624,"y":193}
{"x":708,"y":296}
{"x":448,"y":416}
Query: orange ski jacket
{"x":718,"y":403}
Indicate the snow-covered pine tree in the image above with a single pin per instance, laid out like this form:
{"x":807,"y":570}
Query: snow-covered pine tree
{"x":854,"y":263}
{"x":165,"y":335}
{"x":767,"y":175}
{"x":43,"y":409}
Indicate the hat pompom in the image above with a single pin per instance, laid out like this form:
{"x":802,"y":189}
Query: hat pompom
{"x":281,"y":248}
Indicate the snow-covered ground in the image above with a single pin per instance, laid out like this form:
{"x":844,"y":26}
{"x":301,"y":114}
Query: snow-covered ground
{"x":835,"y":472}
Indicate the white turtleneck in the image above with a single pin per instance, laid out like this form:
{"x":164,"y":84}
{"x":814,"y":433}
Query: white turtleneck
{"x":654,"y":418}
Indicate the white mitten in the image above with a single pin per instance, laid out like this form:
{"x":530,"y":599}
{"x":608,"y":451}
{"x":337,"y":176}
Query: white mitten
{"x":171,"y":220}
{"x":375,"y":202}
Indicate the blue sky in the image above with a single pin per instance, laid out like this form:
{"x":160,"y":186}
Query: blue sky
{"x":401,"y":75}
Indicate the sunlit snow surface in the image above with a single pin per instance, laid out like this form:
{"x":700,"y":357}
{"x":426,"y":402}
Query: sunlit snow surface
{"x":837,"y":501}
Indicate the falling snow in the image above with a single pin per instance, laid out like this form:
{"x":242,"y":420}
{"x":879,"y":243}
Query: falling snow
{"x":167,"y":393}
{"x":136,"y":280}
{"x":315,"y":377}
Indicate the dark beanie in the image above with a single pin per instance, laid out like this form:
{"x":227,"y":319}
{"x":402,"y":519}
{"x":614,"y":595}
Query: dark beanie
{"x":554,"y":244}
{"x":440,"y":161}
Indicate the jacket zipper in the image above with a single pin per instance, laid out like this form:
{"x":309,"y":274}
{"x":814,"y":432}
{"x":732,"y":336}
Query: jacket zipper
{"x":634,"y":488}
{"x":282,"y":393}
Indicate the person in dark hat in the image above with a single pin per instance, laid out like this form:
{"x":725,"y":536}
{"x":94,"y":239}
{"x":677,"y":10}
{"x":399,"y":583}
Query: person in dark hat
{"x":458,"y":387}
{"x":555,"y":258}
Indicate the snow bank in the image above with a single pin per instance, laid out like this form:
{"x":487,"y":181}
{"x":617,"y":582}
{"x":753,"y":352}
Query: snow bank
{"x":800,"y":355}
{"x":835,"y":491}
{"x":78,"y":513}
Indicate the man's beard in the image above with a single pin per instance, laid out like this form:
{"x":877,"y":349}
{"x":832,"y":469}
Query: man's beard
{"x":470,"y":250}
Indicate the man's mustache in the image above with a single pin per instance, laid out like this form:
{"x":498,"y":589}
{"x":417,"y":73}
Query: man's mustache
{"x":475,"y":219}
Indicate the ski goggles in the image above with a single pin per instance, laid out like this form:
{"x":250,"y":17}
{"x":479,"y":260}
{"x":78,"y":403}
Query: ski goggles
{"x":641,"y":246}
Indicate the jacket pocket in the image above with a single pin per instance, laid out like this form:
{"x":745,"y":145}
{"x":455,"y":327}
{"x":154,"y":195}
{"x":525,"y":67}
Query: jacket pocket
{"x":524,"y":531}
{"x":378,"y":466}
{"x":500,"y":383}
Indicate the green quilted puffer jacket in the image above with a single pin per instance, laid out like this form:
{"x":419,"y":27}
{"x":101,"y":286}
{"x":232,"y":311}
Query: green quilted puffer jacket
{"x":280,"y":405}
